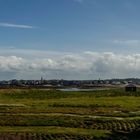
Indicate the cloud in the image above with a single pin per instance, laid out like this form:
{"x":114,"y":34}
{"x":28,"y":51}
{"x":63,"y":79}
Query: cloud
{"x":53,"y":65}
{"x":10,"y":63}
{"x":10,"y":25}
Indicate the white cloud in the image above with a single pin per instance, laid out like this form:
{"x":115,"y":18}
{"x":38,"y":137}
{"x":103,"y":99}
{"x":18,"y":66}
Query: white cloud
{"x":10,"y":25}
{"x":86,"y":65}
{"x":10,"y":63}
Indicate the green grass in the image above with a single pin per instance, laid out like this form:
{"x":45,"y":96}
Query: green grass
{"x":91,"y":113}
{"x":56,"y":130}
{"x":108,"y":102}
{"x":50,"y":133}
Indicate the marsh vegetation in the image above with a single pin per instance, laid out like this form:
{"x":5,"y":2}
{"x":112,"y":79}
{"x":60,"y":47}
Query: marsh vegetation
{"x":37,"y":114}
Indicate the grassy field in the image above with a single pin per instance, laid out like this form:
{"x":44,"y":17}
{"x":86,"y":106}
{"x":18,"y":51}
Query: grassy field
{"x":38,"y":114}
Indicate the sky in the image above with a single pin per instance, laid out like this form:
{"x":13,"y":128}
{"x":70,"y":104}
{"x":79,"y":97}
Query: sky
{"x":69,"y":39}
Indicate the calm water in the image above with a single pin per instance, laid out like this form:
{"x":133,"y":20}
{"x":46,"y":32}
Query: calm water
{"x":78,"y":89}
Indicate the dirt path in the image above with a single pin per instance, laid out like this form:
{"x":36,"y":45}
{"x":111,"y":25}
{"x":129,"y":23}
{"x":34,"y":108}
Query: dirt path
{"x":71,"y":115}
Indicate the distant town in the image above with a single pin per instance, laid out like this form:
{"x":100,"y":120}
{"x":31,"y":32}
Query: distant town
{"x":69,"y":83}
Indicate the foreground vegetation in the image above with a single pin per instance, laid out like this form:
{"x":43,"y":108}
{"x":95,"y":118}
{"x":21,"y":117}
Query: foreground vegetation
{"x":50,"y":114}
